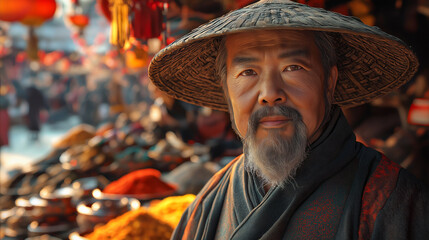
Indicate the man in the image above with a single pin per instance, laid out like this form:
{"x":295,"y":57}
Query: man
{"x":283,"y":70}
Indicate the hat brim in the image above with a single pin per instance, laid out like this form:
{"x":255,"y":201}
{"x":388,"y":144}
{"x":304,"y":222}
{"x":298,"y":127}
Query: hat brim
{"x":370,"y":62}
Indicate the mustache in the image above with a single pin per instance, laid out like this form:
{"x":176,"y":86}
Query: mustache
{"x":266,"y":111}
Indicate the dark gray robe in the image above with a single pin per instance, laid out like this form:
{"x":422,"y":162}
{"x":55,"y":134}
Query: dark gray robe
{"x":343,"y":190}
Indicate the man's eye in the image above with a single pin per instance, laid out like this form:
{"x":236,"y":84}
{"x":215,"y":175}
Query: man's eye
{"x":248,"y":72}
{"x":292,"y":68}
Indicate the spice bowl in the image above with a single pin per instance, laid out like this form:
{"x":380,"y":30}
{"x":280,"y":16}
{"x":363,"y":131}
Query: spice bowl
{"x":60,"y":230}
{"x":51,"y":207}
{"x":85,"y":186}
{"x":99,"y":211}
{"x":141,"y":197}
{"x":143,"y":184}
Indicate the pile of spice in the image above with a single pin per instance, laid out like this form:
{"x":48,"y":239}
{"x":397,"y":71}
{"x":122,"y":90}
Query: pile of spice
{"x":136,"y":224}
{"x":143,"y":181}
{"x":156,"y":222}
{"x":170,"y":209}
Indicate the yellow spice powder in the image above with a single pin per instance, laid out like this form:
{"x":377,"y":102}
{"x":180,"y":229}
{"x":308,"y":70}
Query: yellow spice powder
{"x":155,"y":222}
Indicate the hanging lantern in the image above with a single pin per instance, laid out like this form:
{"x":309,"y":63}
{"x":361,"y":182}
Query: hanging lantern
{"x":79,"y":20}
{"x":41,"y":10}
{"x":14,"y":10}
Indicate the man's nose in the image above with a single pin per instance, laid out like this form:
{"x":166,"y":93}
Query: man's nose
{"x":272,"y":90}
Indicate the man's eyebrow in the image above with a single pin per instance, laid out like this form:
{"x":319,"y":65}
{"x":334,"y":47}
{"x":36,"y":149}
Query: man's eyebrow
{"x":243,"y":60}
{"x":303,"y":52}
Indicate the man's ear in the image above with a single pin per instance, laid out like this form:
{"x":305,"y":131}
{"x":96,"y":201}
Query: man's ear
{"x":332,"y":82}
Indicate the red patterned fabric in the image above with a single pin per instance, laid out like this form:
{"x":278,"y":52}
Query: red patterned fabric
{"x":377,"y":190}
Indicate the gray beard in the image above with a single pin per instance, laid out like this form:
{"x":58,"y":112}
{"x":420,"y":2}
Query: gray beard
{"x":275,"y":159}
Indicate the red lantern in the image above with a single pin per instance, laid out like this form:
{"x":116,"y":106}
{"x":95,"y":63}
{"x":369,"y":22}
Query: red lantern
{"x":14,"y":10}
{"x":79,"y":20}
{"x":41,"y":10}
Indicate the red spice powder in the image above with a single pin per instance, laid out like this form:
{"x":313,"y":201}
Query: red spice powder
{"x":144,"y":181}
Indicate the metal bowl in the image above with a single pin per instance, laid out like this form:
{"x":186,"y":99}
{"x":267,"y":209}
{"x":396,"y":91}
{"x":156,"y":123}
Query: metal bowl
{"x":99,"y":211}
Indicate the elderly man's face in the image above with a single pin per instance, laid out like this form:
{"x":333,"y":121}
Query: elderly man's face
{"x":275,"y":82}
{"x":271,"y":68}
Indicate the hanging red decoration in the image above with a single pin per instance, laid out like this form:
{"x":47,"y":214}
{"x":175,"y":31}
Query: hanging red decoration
{"x":14,"y":10}
{"x":148,"y":19}
{"x":41,"y":10}
{"x":120,"y":27}
{"x":79,"y":20}
{"x":103,"y":6}
{"x":140,"y":19}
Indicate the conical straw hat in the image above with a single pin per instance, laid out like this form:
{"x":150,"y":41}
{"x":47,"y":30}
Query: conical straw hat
{"x":370,"y":62}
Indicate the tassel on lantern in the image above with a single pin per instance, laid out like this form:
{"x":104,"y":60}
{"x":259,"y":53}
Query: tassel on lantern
{"x":119,"y":32}
{"x":32,"y":45}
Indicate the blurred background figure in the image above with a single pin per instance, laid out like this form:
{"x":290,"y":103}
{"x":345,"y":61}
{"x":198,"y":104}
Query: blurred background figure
{"x":36,"y":103}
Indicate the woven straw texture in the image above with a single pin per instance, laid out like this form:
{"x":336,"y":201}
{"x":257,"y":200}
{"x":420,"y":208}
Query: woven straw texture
{"x":371,"y":63}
